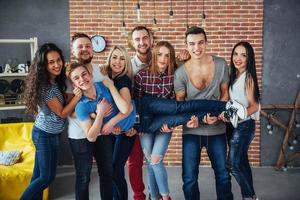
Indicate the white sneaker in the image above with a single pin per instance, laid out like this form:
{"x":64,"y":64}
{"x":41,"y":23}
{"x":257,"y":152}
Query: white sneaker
{"x":231,"y":115}
{"x":241,"y":111}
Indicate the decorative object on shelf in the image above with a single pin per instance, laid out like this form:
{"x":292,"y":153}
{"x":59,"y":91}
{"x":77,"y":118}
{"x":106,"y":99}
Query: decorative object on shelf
{"x":17,"y":86}
{"x":13,"y":99}
{"x":7,"y":69}
{"x":2,"y":100}
{"x":13,"y":65}
{"x":21,"y":68}
{"x":4,"y":86}
{"x":290,"y":138}
{"x":138,"y":11}
{"x":98,"y":43}
{"x":203,"y":17}
{"x":10,"y":99}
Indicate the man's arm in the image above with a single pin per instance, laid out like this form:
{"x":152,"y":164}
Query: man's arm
{"x":224,"y":94}
{"x":92,"y":128}
{"x":180,"y":96}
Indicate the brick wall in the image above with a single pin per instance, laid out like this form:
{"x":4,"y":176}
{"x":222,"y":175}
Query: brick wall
{"x":227,"y":22}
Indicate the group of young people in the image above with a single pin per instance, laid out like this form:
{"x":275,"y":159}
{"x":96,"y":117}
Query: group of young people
{"x":101,"y":104}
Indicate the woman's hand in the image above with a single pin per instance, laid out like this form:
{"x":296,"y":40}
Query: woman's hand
{"x":93,"y":115}
{"x":77,"y":92}
{"x":193,"y":123}
{"x":107,"y":128}
{"x":109,"y":110}
{"x":165,"y":129}
{"x":116,"y":130}
{"x":208,"y":119}
{"x":183,"y":55}
{"x":102,"y":106}
{"x":222,"y":117}
{"x":108,"y":82}
{"x":131,"y":132}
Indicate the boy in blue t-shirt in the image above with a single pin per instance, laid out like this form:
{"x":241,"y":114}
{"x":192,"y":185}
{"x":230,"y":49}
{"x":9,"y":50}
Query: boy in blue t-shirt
{"x":96,"y":99}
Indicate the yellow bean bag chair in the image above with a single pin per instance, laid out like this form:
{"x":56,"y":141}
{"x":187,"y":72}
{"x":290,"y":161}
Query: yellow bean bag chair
{"x":15,"y":178}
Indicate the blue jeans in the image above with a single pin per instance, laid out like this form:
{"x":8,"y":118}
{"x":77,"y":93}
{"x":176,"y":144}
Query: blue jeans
{"x":122,"y":148}
{"x":238,"y":156}
{"x":44,"y":171}
{"x":103,"y":151}
{"x":156,"y":145}
{"x":82,"y":151}
{"x":216,"y":150}
{"x":158,"y":111}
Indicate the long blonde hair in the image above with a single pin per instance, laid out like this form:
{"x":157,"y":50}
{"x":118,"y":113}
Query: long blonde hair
{"x":106,"y":69}
{"x":153,"y":69}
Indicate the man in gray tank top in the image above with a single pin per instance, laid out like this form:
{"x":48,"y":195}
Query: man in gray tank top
{"x":203,"y":77}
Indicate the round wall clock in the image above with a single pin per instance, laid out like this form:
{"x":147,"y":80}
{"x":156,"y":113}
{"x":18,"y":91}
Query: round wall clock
{"x":99,"y":43}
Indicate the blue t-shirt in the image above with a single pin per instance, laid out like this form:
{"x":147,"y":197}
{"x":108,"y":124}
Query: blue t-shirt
{"x":86,"y":106}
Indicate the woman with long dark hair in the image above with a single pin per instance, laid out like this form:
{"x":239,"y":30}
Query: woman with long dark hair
{"x":243,"y":88}
{"x":45,"y":86}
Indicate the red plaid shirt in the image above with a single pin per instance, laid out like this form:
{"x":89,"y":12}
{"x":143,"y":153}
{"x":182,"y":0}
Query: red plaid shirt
{"x":155,"y":86}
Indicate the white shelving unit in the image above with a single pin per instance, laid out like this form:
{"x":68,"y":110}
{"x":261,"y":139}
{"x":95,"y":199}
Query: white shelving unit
{"x":33,"y":42}
{"x":12,"y":74}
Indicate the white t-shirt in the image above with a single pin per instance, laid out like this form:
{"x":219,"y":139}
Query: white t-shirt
{"x":137,"y":64}
{"x":74,"y":129}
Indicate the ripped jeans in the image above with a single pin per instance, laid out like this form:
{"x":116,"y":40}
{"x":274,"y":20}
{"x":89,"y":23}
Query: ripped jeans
{"x":156,"y":145}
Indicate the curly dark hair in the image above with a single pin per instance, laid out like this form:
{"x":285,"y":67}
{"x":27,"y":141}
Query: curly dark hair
{"x":38,"y":78}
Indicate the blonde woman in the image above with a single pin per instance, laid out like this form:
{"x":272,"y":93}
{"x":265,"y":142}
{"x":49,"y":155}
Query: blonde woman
{"x":118,"y":68}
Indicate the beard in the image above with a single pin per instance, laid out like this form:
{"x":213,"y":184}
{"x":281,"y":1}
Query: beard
{"x":85,"y":61}
{"x":143,"y":53}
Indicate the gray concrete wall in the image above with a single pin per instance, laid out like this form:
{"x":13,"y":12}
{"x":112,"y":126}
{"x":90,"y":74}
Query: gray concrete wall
{"x":48,"y":20}
{"x":281,"y":65}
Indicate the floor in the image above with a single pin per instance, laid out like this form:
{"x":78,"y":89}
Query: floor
{"x":269,"y":184}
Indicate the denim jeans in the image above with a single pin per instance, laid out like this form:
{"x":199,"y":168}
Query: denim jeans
{"x":216,"y":150}
{"x":158,"y":111}
{"x":122,"y":148}
{"x":44,"y":171}
{"x":156,"y":145}
{"x":103,"y":151}
{"x":238,"y":156}
{"x":82,"y":151}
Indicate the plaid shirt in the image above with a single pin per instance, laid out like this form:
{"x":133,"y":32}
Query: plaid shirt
{"x":155,"y":86}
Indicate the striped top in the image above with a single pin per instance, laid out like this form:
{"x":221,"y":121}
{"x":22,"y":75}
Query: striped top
{"x":46,"y":119}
